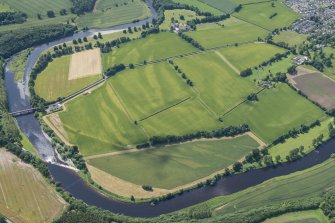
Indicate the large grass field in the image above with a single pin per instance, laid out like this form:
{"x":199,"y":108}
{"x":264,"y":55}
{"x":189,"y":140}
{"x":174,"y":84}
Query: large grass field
{"x":175,"y":15}
{"x":230,"y":31}
{"x":176,"y":165}
{"x":226,"y":6}
{"x":155,"y":46}
{"x":260,"y":14}
{"x":250,"y":55}
{"x":304,"y":184}
{"x":25,"y":196}
{"x":201,"y":6}
{"x":107,"y":14}
{"x":312,"y":216}
{"x":292,"y":38}
{"x":48,"y":82}
{"x":277,"y":111}
{"x":99,"y":124}
{"x":33,"y":7}
{"x":185,"y":118}
{"x":217,"y":84}
{"x":148,"y":89}
{"x":306,"y":140}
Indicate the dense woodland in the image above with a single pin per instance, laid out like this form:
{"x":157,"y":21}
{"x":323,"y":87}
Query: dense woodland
{"x":14,"y":41}
{"x":7,"y":18}
{"x":82,"y":6}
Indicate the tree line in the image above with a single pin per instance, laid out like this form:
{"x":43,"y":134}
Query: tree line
{"x":173,"y":139}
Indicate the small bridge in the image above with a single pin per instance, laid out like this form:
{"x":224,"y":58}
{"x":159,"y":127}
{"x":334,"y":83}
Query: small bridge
{"x":22,"y":112}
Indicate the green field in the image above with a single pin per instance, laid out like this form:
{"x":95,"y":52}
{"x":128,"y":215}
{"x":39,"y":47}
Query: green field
{"x":259,"y":14}
{"x":155,"y":46}
{"x":277,"y":111}
{"x":219,"y":86}
{"x":277,"y":67}
{"x":48,"y":82}
{"x":25,"y":195}
{"x":33,"y":7}
{"x":250,"y":55}
{"x":304,"y":184}
{"x":226,"y":6}
{"x":290,"y":37}
{"x":176,"y":14}
{"x":107,"y":14}
{"x":185,"y":118}
{"x":5,"y":8}
{"x":232,"y":31}
{"x":306,"y":140}
{"x":18,"y":65}
{"x":313,"y":216}
{"x":176,"y":165}
{"x":98,"y":123}
{"x":201,"y":6}
{"x":330,"y":71}
{"x":35,"y":22}
{"x":148,"y":89}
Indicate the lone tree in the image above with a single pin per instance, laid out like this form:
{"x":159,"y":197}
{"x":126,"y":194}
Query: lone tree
{"x":252,"y":97}
{"x":292,"y":70}
{"x":50,"y":14}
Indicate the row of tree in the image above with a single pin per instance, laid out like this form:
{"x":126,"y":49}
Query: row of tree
{"x":173,"y":139}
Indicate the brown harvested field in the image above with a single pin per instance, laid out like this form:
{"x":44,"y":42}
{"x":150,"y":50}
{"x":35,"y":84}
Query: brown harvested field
{"x":25,"y":196}
{"x":84,"y":64}
{"x":317,"y":87}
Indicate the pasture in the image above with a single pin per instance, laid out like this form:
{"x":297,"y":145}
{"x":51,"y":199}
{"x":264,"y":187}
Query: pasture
{"x":278,"y":110}
{"x":306,"y":140}
{"x":229,"y":31}
{"x":303,"y":184}
{"x":5,"y":8}
{"x":330,"y":71}
{"x":98,"y":123}
{"x":148,"y":89}
{"x":250,"y":55}
{"x":217,"y":84}
{"x":271,"y":69}
{"x":268,"y":15}
{"x":176,"y":165}
{"x":153,"y":47}
{"x":317,"y":87}
{"x":291,"y":38}
{"x":48,"y":82}
{"x":176,"y":15}
{"x":201,"y":6}
{"x":25,"y":196}
{"x":33,"y":7}
{"x":110,"y":13}
{"x":226,"y":6}
{"x":312,"y":216}
{"x":185,"y":118}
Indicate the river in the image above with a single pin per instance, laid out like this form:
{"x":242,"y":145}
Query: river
{"x":18,"y":98}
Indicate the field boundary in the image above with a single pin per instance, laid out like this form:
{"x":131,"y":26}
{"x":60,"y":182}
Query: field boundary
{"x":166,"y":108}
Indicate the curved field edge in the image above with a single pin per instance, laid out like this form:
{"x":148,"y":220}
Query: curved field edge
{"x":180,"y":166}
{"x":308,"y":183}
